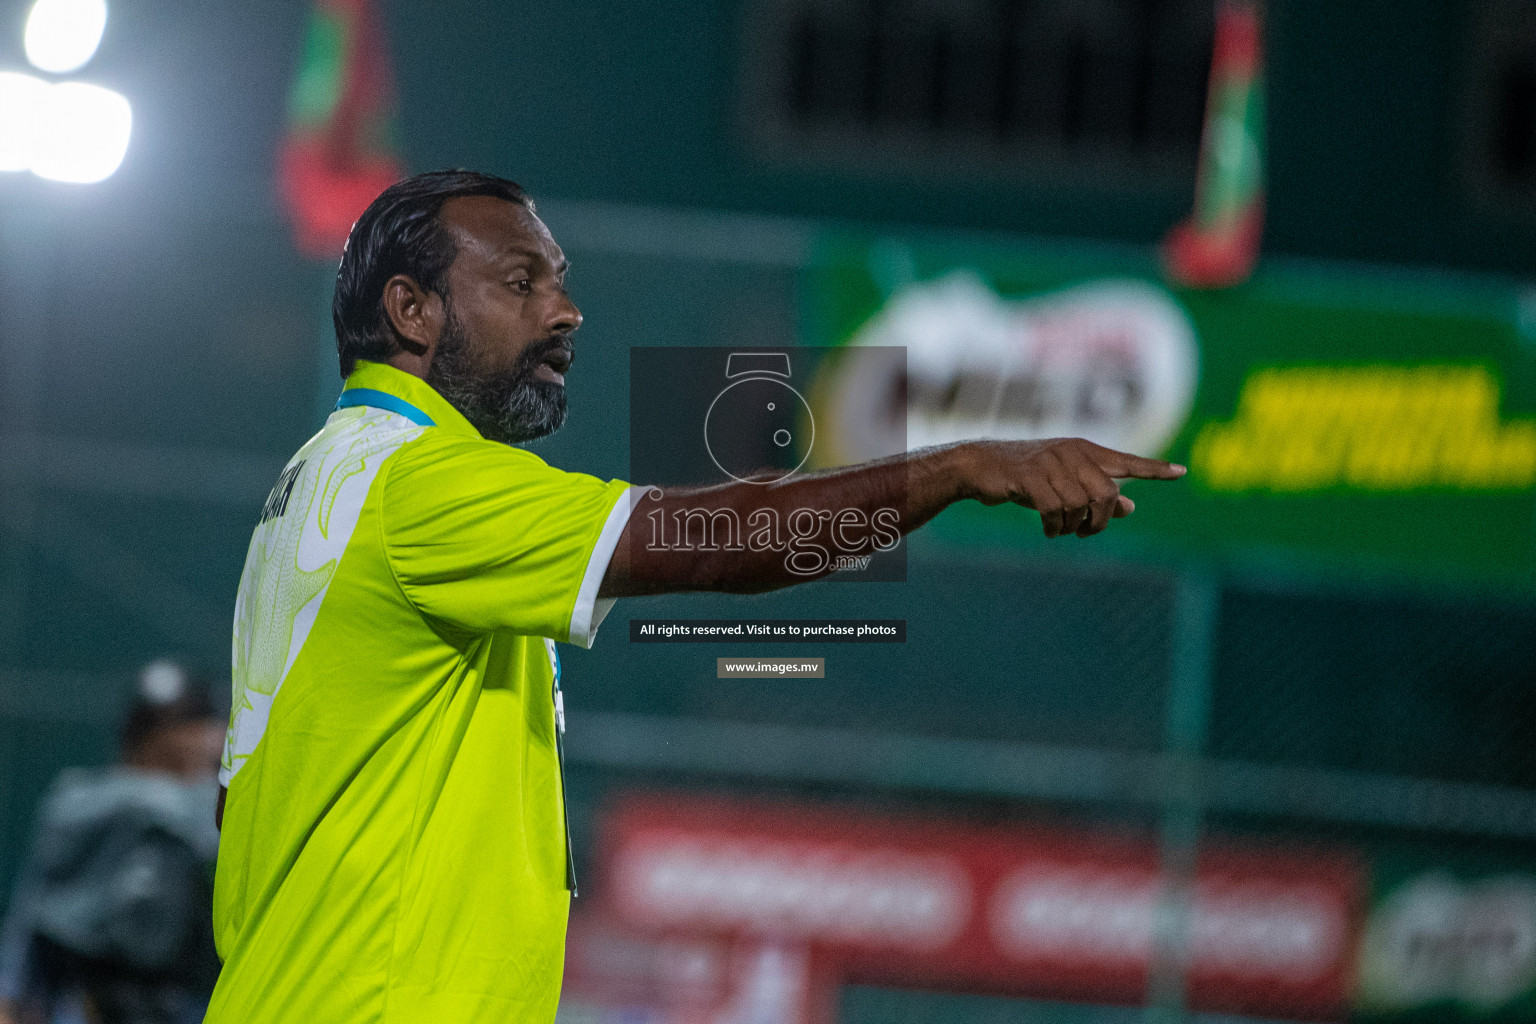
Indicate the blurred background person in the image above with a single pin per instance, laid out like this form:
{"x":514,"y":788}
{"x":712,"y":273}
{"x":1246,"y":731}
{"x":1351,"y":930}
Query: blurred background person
{"x":109,"y":923}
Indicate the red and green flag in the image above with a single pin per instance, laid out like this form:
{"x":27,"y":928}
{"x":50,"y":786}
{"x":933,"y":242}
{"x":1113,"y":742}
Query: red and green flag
{"x":339,"y":152}
{"x":1218,"y":245}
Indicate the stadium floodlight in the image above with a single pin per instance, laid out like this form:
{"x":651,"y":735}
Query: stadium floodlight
{"x":20,"y":101}
{"x":82,"y":133}
{"x":62,"y":35}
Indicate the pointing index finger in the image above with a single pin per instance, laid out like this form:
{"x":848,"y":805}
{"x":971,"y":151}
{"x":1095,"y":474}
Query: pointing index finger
{"x":1124,"y":465}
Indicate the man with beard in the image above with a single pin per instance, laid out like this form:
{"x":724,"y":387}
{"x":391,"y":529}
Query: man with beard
{"x":394,"y":846}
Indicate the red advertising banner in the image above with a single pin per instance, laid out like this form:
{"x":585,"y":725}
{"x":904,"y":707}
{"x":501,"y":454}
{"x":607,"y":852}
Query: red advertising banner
{"x":1041,"y":912}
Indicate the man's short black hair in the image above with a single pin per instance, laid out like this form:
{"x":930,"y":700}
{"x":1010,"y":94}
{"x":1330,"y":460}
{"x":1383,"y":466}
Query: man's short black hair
{"x":401,"y":233}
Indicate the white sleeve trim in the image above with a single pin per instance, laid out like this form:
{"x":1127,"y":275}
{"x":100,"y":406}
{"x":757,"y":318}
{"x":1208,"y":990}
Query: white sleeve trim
{"x":590,"y":609}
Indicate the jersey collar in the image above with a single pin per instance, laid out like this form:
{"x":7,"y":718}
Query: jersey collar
{"x":410,"y":390}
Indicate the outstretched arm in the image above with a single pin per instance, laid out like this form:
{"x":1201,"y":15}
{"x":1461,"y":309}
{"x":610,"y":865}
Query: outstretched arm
{"x":1071,"y":482}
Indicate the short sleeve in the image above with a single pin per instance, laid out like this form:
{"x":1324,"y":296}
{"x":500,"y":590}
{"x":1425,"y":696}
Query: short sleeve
{"x":486,"y":537}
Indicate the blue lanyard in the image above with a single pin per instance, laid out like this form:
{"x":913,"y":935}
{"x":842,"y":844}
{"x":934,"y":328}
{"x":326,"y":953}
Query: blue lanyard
{"x":384,"y":400}
{"x":570,"y":856}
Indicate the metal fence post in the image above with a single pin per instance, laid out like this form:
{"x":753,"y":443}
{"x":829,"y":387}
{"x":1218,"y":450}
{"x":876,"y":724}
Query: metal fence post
{"x":1187,"y":716}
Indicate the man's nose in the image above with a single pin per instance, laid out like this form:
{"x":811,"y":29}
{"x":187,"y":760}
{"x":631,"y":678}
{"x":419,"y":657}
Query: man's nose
{"x":565,"y":318}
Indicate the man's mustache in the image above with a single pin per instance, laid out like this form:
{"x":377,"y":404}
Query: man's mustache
{"x":558,"y":351}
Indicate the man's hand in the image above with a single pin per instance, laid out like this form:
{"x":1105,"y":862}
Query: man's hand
{"x":1069,"y":481}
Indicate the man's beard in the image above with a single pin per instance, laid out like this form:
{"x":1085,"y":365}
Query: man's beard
{"x":511,"y":406}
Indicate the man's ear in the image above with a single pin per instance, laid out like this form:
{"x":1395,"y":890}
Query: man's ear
{"x":415,"y":313}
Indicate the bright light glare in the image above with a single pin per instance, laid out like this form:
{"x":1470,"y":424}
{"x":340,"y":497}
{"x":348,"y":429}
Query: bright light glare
{"x":82,"y":133}
{"x":21,"y":98}
{"x":63,"y":34}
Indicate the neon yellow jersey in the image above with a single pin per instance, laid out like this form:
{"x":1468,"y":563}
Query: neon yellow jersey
{"x":394,"y":844}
